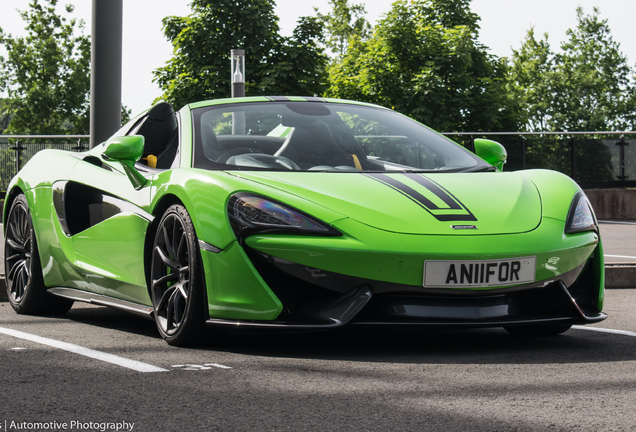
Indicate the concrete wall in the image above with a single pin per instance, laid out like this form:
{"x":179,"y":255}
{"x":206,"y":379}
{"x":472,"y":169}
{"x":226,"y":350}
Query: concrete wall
{"x":613,"y":204}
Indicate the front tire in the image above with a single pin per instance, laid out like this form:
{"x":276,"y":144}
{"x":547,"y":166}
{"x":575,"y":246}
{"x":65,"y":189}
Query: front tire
{"x":25,"y":283}
{"x":176,"y":282}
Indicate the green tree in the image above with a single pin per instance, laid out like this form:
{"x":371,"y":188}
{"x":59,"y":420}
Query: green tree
{"x":588,"y":86}
{"x":593,"y":84}
{"x":532,"y":70}
{"x":343,"y":23}
{"x":5,"y":115}
{"x":46,"y":74}
{"x":424,"y":59}
{"x":199,"y":68}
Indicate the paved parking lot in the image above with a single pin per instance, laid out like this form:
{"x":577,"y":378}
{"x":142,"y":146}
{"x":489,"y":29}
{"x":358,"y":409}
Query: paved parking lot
{"x":366,"y":379}
{"x":619,"y":241}
{"x":96,"y":367}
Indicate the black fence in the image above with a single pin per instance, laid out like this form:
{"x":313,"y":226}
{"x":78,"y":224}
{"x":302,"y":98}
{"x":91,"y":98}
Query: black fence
{"x":16,"y":150}
{"x":593,"y":159}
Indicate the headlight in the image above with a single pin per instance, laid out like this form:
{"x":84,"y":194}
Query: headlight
{"x":251,"y":213}
{"x":581,"y":216}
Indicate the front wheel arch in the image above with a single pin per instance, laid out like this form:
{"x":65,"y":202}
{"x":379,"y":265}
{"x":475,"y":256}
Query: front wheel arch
{"x":8,"y":201}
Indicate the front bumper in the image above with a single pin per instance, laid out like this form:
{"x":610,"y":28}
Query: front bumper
{"x":311,"y":297}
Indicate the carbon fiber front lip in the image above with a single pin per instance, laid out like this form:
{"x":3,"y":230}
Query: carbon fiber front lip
{"x":308,"y":326}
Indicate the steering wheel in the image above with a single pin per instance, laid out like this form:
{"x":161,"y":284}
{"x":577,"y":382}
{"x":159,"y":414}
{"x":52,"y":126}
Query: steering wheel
{"x":237,"y":151}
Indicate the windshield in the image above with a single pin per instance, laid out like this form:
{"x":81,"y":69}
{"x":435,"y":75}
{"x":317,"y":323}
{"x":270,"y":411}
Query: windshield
{"x":316,"y":136}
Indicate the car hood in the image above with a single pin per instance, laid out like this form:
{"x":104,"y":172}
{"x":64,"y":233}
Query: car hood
{"x":414,"y":203}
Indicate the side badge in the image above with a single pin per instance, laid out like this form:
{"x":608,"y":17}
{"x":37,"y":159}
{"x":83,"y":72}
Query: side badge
{"x":464,"y":227}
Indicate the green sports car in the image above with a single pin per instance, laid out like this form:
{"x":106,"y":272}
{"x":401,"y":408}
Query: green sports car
{"x":300,"y":213}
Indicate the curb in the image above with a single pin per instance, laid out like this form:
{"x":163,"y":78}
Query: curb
{"x":620,"y":275}
{"x":616,"y":276}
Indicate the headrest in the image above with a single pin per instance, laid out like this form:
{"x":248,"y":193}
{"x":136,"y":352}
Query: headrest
{"x":158,"y":127}
{"x":302,"y":114}
{"x":161,"y":111}
{"x":292,"y":119}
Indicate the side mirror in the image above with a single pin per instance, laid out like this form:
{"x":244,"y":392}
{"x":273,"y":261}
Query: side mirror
{"x":129,"y":147}
{"x":127,"y":150}
{"x":492,"y":152}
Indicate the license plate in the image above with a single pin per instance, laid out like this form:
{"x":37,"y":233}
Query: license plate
{"x":479,"y":273}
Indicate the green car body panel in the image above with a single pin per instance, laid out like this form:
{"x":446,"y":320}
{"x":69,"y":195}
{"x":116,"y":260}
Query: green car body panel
{"x":385,"y":235}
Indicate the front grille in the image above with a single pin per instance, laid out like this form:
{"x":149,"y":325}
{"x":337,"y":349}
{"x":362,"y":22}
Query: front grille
{"x":533,"y":303}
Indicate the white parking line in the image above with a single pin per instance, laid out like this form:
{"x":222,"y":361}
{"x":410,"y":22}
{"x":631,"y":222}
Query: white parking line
{"x":109,"y":358}
{"x":620,"y":256}
{"x":204,"y":366}
{"x":217,"y":365}
{"x":604,"y":330}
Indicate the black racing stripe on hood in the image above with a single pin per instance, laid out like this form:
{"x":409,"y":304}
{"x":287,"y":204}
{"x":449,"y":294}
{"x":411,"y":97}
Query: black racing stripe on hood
{"x":404,"y":190}
{"x":443,"y":194}
{"x":451,"y":201}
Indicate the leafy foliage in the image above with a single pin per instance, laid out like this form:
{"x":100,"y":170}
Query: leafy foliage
{"x":531,"y":71}
{"x":344,"y":23}
{"x":587,"y":87}
{"x":46,"y":74}
{"x":424,"y":59}
{"x":199,"y":69}
{"x":593,"y":89}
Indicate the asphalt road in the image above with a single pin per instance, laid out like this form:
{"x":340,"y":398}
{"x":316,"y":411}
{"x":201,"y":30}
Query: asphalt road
{"x":619,"y":241}
{"x":106,"y":367}
{"x":357,"y":379}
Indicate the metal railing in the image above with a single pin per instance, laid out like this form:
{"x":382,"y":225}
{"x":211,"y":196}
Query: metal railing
{"x":594,"y":159}
{"x":16,"y":150}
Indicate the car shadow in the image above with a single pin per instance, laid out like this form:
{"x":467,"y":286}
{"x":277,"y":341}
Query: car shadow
{"x":430,"y":346}
{"x":393,"y":344}
{"x":114,"y":319}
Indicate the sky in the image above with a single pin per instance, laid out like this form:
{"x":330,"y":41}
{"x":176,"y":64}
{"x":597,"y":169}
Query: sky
{"x":504,"y":24}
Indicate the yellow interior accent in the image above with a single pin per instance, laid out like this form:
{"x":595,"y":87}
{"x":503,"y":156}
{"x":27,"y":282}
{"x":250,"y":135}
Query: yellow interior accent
{"x":151,"y":161}
{"x":356,"y":162}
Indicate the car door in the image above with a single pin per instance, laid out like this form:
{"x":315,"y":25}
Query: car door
{"x":106,"y":226}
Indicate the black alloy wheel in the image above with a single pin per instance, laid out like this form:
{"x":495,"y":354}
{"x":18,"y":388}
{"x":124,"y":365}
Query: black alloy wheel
{"x":25,"y":283}
{"x":176,"y":284}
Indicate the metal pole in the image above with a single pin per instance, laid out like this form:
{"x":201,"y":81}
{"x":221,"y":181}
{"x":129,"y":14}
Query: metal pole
{"x":237,"y":69}
{"x":523,"y":152}
{"x":621,"y":154}
{"x":18,"y":149}
{"x":573,"y":156}
{"x":238,"y":89}
{"x":237,"y":78}
{"x":106,"y":49}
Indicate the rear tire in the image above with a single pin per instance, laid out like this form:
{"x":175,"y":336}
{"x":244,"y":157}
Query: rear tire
{"x":176,"y":281}
{"x":529,"y":330}
{"x":25,"y":283}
